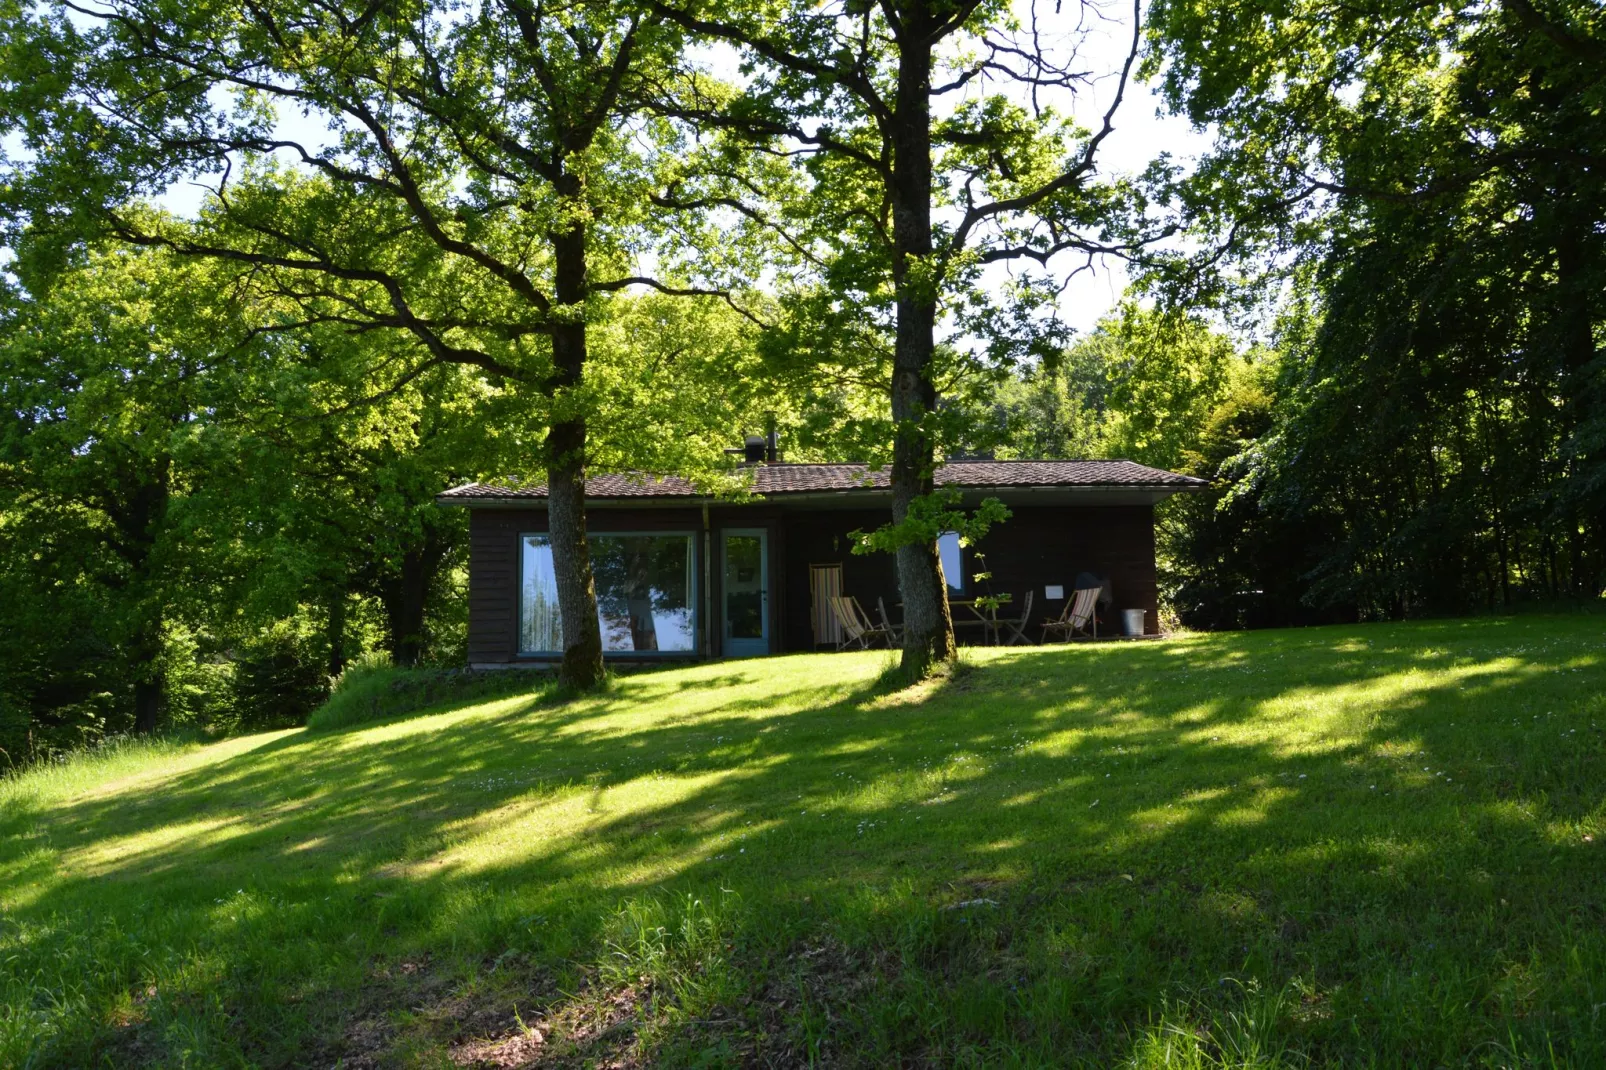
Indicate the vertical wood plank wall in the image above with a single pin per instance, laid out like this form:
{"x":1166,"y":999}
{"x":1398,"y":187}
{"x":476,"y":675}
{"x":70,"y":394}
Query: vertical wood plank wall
{"x":1038,"y":546}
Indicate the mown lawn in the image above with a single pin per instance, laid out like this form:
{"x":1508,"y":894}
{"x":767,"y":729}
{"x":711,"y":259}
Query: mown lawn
{"x":1380,"y":845}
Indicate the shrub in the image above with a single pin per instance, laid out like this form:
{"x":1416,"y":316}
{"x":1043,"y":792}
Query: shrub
{"x":280,"y":679}
{"x":201,"y":684}
{"x":372,"y":689}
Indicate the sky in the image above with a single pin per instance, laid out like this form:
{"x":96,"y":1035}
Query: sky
{"x":1141,"y":132}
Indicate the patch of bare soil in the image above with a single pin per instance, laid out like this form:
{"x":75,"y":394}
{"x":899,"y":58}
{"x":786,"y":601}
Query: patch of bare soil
{"x":590,"y":1028}
{"x":520,"y":1049}
{"x":406,"y":1003}
{"x":407,"y":1012}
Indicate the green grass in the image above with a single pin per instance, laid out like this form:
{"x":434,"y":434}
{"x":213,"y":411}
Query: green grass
{"x":1356,"y":846}
{"x":372,"y":689}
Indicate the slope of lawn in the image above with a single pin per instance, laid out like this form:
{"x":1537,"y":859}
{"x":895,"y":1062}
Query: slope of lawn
{"x":1380,"y":845}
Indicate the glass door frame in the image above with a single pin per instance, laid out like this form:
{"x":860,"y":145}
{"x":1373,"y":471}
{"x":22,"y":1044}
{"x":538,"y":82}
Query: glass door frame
{"x":745,"y":648}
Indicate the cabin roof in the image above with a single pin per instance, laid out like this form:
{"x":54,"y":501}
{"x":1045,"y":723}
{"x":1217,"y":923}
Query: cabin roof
{"x":780,"y":480}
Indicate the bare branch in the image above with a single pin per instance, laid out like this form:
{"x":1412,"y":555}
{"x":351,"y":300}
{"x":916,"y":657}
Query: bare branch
{"x":678,"y":291}
{"x":976,"y":214}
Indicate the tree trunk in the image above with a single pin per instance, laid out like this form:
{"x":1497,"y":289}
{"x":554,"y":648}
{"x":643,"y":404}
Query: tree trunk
{"x":148,"y":695}
{"x":928,"y":637}
{"x":405,"y":597}
{"x":405,"y":601}
{"x":150,"y":686}
{"x":139,"y":518}
{"x":566,"y":466}
{"x":335,"y":630}
{"x":1583,"y":385}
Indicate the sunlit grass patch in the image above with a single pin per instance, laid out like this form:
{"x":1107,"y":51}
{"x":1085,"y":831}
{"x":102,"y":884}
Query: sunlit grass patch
{"x":1375,"y":845}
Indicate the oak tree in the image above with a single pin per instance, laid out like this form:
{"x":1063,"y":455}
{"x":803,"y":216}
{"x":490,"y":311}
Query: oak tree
{"x":930,"y":140}
{"x":470,"y":181}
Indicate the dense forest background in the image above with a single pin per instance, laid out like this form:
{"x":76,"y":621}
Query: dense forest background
{"x":1382,"y":345}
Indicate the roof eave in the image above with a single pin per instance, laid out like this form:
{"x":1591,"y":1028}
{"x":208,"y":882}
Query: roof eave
{"x":804,"y":497}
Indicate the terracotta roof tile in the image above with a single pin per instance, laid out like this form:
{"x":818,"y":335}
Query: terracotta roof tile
{"x":783,"y":479}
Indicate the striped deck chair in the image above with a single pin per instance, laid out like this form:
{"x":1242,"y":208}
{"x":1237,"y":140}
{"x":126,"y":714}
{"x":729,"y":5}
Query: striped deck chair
{"x":1078,"y":616}
{"x":856,"y":629}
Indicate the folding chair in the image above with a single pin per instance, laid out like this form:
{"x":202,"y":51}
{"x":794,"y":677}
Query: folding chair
{"x":1077,"y":616}
{"x":853,"y":632}
{"x":894,"y":631}
{"x":856,"y":626}
{"x":872,"y":630}
{"x":1016,"y":626}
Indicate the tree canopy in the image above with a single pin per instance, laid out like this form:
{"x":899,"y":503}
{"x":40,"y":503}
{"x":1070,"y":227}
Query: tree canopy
{"x":1425,"y":182}
{"x":434,"y":243}
{"x":927,"y":141}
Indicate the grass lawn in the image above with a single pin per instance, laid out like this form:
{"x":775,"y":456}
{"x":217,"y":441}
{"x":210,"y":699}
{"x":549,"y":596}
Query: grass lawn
{"x":1380,"y":845}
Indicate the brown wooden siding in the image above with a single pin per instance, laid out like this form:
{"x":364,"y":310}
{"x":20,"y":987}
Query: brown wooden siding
{"x":1037,"y":547}
{"x":493,"y":581}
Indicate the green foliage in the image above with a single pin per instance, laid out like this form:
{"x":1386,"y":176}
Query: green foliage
{"x":1168,"y":391}
{"x":171,"y":484}
{"x":195,"y":501}
{"x":1055,"y":410}
{"x":372,"y":689}
{"x":280,"y":677}
{"x":1359,"y":845}
{"x":1227,"y":560}
{"x":200,"y":678}
{"x":1414,"y":182}
{"x":989,"y":602}
{"x":102,"y":373}
{"x":929,"y":516}
{"x":1166,"y":372}
{"x":481,"y":189}
{"x":1141,"y":386}
{"x":898,"y":159}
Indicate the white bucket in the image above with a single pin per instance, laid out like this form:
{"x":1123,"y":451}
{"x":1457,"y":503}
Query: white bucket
{"x":1132,"y":621}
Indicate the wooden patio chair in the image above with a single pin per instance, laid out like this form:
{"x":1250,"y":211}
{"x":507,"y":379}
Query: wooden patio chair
{"x":856,"y":627}
{"x":848,"y":622}
{"x":1012,"y":630}
{"x":894,"y":631}
{"x":1077,"y":617}
{"x":872,"y":630}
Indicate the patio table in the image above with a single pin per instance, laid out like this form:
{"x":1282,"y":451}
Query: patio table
{"x":987,"y":619}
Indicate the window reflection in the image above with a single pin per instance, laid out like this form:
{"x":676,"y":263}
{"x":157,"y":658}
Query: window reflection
{"x":948,"y":550}
{"x":644,"y":594}
{"x":539,"y":626}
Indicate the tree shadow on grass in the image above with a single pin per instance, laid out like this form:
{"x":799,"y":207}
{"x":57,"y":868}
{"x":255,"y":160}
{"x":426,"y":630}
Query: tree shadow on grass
{"x":1053,"y":850}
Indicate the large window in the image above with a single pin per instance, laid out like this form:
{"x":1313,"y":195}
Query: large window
{"x":948,"y":550}
{"x":644,"y":594}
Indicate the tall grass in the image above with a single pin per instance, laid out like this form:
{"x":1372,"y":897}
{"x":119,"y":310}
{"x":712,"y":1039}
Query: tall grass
{"x":372,"y":689}
{"x":71,"y":772}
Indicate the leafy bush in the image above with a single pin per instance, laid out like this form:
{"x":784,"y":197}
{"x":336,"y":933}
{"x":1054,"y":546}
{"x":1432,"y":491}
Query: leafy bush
{"x":200,"y":683}
{"x":280,"y":679}
{"x":372,"y":689}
